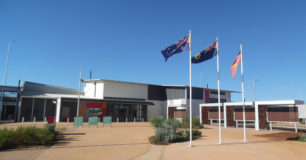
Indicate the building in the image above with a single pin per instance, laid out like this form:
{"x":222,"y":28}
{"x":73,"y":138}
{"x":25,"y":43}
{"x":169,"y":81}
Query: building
{"x":123,"y":101}
{"x":260,"y":113}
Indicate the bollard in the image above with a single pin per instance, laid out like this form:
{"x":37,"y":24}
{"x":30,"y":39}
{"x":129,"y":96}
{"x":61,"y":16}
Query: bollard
{"x":236,"y":124}
{"x":45,"y":119}
{"x":271,"y":126}
{"x":211,"y":122}
{"x":68,"y":119}
{"x":34,"y":119}
{"x":295,"y":126}
{"x":117,"y":119}
{"x":126,"y":119}
{"x":142,"y":120}
{"x":134,"y":119}
{"x":22,"y":120}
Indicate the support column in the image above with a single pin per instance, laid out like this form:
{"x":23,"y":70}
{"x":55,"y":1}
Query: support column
{"x":256,"y":117}
{"x":224,"y":116}
{"x":263,"y":124}
{"x":200,"y":114}
{"x":32,"y":112}
{"x":45,"y":104}
{"x":167,"y":111}
{"x":58,"y":109}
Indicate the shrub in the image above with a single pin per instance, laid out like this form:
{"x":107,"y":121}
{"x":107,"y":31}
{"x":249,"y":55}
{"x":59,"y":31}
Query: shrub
{"x":5,"y":137}
{"x":165,"y":132}
{"x":174,"y":123}
{"x":302,"y":138}
{"x":195,"y":123}
{"x":156,"y":121}
{"x":28,"y":136}
{"x":184,"y":135}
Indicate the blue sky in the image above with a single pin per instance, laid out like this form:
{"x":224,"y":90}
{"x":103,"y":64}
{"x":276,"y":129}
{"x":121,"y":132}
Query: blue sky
{"x":122,"y":40}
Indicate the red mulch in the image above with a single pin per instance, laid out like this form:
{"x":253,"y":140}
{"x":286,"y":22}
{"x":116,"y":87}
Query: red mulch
{"x":280,"y":136}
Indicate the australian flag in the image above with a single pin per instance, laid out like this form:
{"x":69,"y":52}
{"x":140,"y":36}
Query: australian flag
{"x":207,"y":54}
{"x":178,"y":47}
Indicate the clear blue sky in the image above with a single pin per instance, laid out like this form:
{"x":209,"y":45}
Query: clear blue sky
{"x":122,"y":40}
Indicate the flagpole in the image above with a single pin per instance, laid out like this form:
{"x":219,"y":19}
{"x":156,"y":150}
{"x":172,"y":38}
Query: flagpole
{"x":219,"y":107}
{"x":190,"y":91}
{"x":243,"y":99}
{"x":79,"y":90}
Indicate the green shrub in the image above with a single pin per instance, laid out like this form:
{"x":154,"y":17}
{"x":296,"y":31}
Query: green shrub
{"x":302,"y":138}
{"x":195,"y":123}
{"x":165,"y":132}
{"x":184,"y":135}
{"x":156,"y":121}
{"x":28,"y":136}
{"x":6,"y":137}
{"x":174,"y":123}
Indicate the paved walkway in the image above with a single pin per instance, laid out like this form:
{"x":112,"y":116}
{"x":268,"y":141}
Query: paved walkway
{"x":130,"y":141}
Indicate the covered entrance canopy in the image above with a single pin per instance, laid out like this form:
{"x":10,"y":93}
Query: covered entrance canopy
{"x":260,"y":112}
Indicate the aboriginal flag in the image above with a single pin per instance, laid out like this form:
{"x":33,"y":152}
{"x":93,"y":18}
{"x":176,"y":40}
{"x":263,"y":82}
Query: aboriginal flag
{"x":235,"y":65}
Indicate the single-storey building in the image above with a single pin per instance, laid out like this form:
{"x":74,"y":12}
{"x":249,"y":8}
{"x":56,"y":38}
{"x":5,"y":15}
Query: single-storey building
{"x":123,"y":101}
{"x":261,"y":113}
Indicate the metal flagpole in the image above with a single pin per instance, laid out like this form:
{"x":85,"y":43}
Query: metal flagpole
{"x":219,"y":107}
{"x":190,"y":90}
{"x":5,"y":74}
{"x":78,"y":106}
{"x":243,"y":99}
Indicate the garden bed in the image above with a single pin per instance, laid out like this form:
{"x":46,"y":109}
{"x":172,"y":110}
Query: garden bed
{"x":28,"y":136}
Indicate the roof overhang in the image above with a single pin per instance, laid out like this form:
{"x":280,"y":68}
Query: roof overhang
{"x":238,"y":103}
{"x":211,"y":104}
{"x":279,"y":102}
{"x":112,"y":101}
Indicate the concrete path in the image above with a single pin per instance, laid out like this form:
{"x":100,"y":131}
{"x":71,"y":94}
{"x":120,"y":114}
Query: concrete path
{"x":130,"y":141}
{"x":155,"y":152}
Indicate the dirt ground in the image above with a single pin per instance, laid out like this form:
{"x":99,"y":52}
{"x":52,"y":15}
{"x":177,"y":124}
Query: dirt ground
{"x":130,"y":141}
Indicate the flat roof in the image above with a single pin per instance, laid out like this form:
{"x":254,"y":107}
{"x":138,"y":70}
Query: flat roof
{"x":280,"y":102}
{"x":101,"y":80}
{"x":250,"y":103}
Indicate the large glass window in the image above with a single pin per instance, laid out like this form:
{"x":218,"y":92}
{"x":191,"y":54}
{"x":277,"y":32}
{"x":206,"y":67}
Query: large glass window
{"x":38,"y":111}
{"x":127,"y":112}
{"x":26,"y":109}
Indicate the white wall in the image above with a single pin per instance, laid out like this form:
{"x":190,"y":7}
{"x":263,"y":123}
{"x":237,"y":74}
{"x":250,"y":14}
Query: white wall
{"x":100,"y":90}
{"x":176,"y":102}
{"x":302,"y":111}
{"x":126,"y":90}
{"x":89,"y":89}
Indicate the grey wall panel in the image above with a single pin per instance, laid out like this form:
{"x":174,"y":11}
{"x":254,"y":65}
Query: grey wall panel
{"x":175,"y":92}
{"x":156,"y":92}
